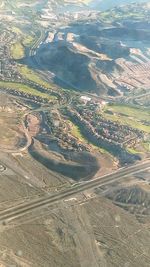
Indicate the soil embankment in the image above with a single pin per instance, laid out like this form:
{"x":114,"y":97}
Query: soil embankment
{"x":80,"y":167}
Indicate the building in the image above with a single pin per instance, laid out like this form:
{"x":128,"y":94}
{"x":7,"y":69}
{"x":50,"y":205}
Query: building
{"x":85,"y":99}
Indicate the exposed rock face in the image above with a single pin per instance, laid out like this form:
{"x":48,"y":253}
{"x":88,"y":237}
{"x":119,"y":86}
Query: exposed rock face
{"x":87,"y":59}
{"x":113,"y":49}
{"x":69,"y":65}
{"x":83,"y":70}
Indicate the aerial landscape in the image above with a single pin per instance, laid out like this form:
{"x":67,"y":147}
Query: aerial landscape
{"x":74,"y":133}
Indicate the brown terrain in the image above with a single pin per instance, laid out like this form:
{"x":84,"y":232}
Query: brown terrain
{"x":95,"y":228}
{"x":83,"y":117}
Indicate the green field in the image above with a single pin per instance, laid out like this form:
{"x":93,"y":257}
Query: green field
{"x":32,"y":76}
{"x":76,"y":132}
{"x":25,"y":89}
{"x":17,"y":51}
{"x":28,"y":40}
{"x":135,"y":117}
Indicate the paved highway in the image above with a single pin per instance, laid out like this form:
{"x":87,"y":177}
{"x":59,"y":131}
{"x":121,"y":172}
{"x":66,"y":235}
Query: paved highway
{"x":22,"y":209}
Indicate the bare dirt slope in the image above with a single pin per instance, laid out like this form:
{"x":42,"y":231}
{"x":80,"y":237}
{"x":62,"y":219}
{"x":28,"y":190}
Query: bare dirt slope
{"x":87,"y":236}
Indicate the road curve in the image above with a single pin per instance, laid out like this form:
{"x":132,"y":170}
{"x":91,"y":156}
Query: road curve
{"x":22,"y":209}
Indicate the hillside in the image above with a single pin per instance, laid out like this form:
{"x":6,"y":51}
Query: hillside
{"x":101,"y":53}
{"x":74,"y":134}
{"x":107,"y":4}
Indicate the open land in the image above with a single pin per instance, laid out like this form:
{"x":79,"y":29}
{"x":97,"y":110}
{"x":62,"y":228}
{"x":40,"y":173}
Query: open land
{"x":74,"y":134}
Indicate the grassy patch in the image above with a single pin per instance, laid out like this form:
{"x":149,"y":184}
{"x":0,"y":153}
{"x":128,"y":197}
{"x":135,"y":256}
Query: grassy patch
{"x":17,"y":51}
{"x":76,"y":132}
{"x":16,"y":30}
{"x":137,"y":113}
{"x":32,"y":76}
{"x":28,"y":40}
{"x":126,"y":115}
{"x":132,"y":151}
{"x":146,"y":146}
{"x":25,"y":89}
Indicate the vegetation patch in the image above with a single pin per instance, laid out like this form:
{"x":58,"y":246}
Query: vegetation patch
{"x":28,"y":40}
{"x":25,"y":89}
{"x":76,"y":132}
{"x":32,"y":76}
{"x":126,"y":115}
{"x":17,"y":51}
{"x":146,"y":146}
